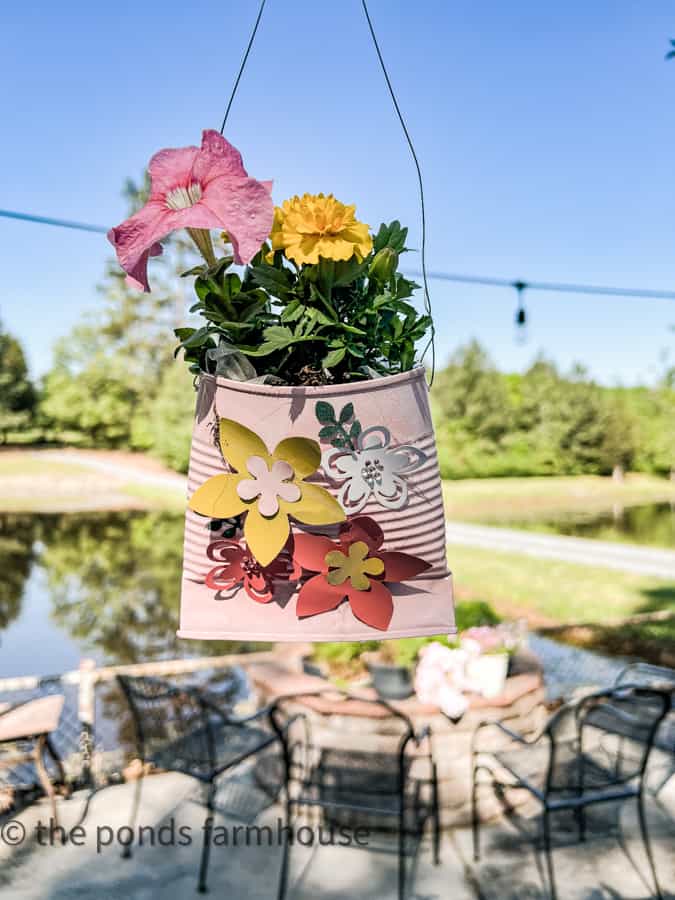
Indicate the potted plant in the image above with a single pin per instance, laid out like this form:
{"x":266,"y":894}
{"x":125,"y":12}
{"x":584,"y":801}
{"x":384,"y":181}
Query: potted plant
{"x":391,"y":675}
{"x":315,"y":507}
{"x":489,"y":649}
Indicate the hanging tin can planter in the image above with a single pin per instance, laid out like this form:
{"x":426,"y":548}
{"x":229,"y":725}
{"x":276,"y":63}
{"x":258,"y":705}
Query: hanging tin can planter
{"x":315,"y":509}
{"x":315,"y":513}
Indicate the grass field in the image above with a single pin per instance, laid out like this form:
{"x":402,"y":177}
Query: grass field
{"x":494,"y":500}
{"x":550,"y":591}
{"x":34,"y":482}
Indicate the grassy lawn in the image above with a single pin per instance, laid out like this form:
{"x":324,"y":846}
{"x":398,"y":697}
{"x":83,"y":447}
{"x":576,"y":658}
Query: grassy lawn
{"x":549,"y":592}
{"x":156,"y":497}
{"x":508,"y":499}
{"x":14,"y":465}
{"x":34,"y":483}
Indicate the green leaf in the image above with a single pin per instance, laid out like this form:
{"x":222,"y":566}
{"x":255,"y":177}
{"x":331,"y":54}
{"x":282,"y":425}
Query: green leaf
{"x":328,"y":432}
{"x":197,"y":338}
{"x":294,"y":311}
{"x":355,"y":430}
{"x":278,"y":282}
{"x":348,"y":271}
{"x":231,"y":286}
{"x":352,"y":329}
{"x":347,"y":413}
{"x":195,"y":270}
{"x":324,"y":412}
{"x":333,"y":358}
{"x":182,"y":333}
{"x":202,"y":289}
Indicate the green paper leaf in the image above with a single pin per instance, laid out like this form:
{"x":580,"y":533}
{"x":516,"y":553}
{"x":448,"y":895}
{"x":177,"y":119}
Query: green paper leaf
{"x":347,"y":413}
{"x":324,"y":412}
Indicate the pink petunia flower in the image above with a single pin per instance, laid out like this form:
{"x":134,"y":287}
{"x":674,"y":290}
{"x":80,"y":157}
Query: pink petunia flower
{"x":352,"y":568}
{"x":195,"y":188}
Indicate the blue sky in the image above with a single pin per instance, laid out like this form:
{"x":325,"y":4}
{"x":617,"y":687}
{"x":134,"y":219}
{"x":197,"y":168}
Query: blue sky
{"x":545,"y":133}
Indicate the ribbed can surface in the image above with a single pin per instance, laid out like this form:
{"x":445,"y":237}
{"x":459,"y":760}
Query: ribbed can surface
{"x":399,"y":404}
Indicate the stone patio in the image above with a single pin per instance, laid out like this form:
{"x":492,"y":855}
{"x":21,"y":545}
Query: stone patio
{"x":610,"y":865}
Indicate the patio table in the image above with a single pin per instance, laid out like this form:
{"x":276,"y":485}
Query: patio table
{"x":30,"y":725}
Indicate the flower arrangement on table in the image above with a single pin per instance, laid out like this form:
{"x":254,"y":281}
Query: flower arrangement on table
{"x":319,"y":301}
{"x":477,"y":662}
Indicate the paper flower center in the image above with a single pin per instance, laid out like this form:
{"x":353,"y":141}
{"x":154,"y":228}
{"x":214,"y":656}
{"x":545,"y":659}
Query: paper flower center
{"x":353,"y":565}
{"x":268,"y":485}
{"x":372,"y":470}
{"x":183,"y":197}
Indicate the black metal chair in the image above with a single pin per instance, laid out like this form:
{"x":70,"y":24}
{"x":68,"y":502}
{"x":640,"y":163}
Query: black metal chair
{"x":661,"y":678}
{"x":571,"y":763}
{"x":375,"y":791}
{"x":180,"y":729}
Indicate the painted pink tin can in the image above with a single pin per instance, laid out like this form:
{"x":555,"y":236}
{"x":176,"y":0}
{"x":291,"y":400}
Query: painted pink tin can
{"x":378,"y":460}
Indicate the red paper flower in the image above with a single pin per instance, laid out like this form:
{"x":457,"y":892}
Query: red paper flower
{"x":238,"y":566}
{"x":352,"y":568}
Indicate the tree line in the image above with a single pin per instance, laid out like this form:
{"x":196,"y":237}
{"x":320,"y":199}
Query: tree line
{"x":118,"y":386}
{"x":543,"y":422}
{"x":115,"y":383}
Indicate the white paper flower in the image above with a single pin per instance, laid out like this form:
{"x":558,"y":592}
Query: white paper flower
{"x":373,"y":469}
{"x":268,"y":485}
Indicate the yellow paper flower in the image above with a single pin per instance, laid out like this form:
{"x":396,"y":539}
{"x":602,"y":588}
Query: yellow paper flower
{"x":314,"y":226}
{"x":268,"y":487}
{"x":353,"y":565}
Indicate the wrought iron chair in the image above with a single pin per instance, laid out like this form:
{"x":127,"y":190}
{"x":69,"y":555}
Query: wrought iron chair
{"x":370,"y":790}
{"x":571,"y":763}
{"x":180,"y":729}
{"x":659,"y":677}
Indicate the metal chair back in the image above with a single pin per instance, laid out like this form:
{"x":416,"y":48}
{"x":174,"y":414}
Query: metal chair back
{"x":604,"y":739}
{"x":171,"y":723}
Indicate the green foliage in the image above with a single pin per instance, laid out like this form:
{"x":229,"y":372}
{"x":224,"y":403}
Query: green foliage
{"x":404,"y":651}
{"x":161,"y":422}
{"x":335,"y":321}
{"x":542,"y":423}
{"x":17,"y":394}
{"x":113,"y":382}
{"x":97,"y":400}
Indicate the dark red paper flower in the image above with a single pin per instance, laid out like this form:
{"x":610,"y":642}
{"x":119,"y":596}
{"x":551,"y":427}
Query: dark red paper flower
{"x":238,"y":566}
{"x":352,"y":568}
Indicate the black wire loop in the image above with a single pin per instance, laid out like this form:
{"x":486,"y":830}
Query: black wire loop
{"x":431,"y":344}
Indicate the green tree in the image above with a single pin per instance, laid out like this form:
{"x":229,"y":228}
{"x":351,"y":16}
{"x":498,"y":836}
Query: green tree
{"x":112,"y":366}
{"x":538,"y":423}
{"x":17,"y":394}
{"x":471,"y":393}
{"x":163,"y":422}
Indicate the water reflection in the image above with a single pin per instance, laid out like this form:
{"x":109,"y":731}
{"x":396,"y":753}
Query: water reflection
{"x":16,"y":558}
{"x":108,"y":582}
{"x":651,"y":524}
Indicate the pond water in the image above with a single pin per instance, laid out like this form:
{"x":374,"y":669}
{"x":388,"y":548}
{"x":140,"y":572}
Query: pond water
{"x":102,"y":585}
{"x":652,"y":524}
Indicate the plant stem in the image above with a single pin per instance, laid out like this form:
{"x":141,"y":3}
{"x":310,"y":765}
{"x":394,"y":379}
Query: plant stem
{"x":202,"y":240}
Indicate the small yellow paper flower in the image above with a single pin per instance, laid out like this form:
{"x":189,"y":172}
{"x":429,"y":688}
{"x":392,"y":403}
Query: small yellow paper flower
{"x":354,"y":566}
{"x":314,"y":226}
{"x":268,"y":487}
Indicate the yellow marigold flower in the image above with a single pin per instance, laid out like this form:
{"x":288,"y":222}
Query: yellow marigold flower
{"x":314,"y":226}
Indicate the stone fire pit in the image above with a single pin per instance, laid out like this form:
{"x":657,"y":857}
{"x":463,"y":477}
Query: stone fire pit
{"x":351,"y":725}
